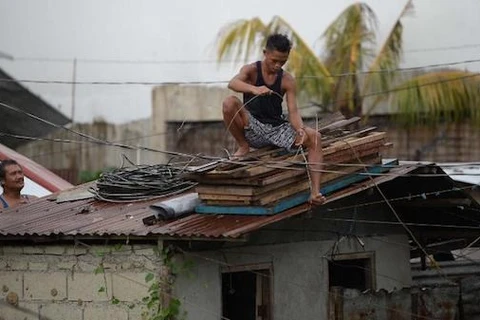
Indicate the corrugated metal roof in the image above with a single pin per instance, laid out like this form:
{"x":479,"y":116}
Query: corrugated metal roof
{"x":89,"y":217}
{"x":35,"y":171}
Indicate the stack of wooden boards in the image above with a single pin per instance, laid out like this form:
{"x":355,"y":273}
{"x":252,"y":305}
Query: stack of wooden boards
{"x":269,"y":180}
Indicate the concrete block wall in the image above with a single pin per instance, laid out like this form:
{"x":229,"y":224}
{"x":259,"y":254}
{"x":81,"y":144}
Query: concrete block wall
{"x":66,"y":282}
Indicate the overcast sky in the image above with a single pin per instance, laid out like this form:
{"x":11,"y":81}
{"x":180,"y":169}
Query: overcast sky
{"x":181,"y":30}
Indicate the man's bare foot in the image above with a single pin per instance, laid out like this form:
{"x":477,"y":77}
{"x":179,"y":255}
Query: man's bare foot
{"x":241,"y":151}
{"x":317,"y":199}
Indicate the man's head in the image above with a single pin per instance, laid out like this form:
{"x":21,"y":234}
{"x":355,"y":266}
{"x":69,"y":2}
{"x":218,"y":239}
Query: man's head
{"x":276,"y":52}
{"x":11,"y":175}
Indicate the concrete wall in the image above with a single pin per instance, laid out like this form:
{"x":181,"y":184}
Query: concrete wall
{"x":300,"y":274}
{"x":88,"y":156}
{"x":59,"y":282}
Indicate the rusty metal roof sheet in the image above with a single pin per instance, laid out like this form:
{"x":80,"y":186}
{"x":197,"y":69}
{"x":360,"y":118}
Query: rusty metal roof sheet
{"x":89,"y":217}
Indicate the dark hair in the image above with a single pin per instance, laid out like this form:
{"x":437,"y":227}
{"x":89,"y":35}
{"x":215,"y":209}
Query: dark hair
{"x":5,"y":163}
{"x":278,"y":42}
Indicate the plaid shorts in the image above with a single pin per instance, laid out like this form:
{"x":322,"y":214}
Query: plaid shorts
{"x":259,"y":134}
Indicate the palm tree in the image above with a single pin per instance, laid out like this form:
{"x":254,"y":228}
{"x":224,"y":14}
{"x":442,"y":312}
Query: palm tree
{"x":353,"y":75}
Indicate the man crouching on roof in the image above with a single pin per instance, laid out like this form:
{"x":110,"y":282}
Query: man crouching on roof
{"x":258,"y":121}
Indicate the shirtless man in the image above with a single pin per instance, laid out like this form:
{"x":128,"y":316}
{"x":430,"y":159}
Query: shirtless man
{"x":258,"y":120}
{"x":12,"y":181}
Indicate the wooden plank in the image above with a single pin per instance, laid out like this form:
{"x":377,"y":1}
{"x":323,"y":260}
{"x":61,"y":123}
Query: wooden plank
{"x":250,"y":170}
{"x":238,"y":171}
{"x":357,"y":133}
{"x":329,"y":118}
{"x":326,"y":178}
{"x":262,"y":180}
{"x":260,"y":199}
{"x":346,"y":155}
{"x":248,"y":190}
{"x":339,"y":124}
{"x":290,"y":202}
{"x":287,"y":177}
{"x":348,"y":143}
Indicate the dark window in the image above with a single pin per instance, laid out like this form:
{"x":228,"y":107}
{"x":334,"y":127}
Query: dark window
{"x":352,"y":274}
{"x":246,"y":295}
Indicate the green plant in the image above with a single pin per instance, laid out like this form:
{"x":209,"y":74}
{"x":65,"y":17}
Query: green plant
{"x":156,"y":308}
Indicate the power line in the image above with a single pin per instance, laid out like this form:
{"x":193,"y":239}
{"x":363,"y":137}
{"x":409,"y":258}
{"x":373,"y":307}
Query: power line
{"x":196,"y":61}
{"x":447,"y":48}
{"x":410,"y":224}
{"x":158,"y":83}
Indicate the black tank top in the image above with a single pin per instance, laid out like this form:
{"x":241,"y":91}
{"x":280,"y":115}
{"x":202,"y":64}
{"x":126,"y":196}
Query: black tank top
{"x":268,"y":108}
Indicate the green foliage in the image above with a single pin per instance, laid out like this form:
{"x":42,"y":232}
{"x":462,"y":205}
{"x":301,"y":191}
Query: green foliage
{"x":99,"y":269}
{"x":87,"y":176}
{"x":353,"y":74}
{"x":155,"y":301}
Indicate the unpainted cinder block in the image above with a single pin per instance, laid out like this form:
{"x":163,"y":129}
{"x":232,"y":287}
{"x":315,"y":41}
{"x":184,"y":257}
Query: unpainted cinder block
{"x":70,"y":311}
{"x":24,"y":311}
{"x":129,"y":286}
{"x":33,"y":250}
{"x":55,"y":250}
{"x":89,"y":287}
{"x":45,"y":286}
{"x":105,"y":312}
{"x":11,"y":281}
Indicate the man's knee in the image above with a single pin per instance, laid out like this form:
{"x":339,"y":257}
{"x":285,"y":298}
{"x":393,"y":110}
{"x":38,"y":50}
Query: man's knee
{"x":230,"y":104}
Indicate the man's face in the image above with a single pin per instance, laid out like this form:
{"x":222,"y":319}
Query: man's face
{"x":274,"y":60}
{"x":13,"y":177}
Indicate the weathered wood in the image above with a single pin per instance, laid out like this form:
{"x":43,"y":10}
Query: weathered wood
{"x":260,"y":199}
{"x":293,"y":176}
{"x":239,"y":207}
{"x":248,"y":190}
{"x":339,"y":124}
{"x":357,"y":133}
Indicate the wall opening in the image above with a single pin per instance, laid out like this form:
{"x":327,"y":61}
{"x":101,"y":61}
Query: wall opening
{"x":355,"y":272}
{"x":246,"y":295}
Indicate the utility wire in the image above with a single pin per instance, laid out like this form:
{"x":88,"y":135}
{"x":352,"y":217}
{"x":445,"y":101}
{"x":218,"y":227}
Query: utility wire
{"x":199,"y":61}
{"x":157,"y":83}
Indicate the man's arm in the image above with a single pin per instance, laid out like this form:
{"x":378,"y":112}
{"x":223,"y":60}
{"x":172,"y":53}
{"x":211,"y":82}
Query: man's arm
{"x":293,"y":112}
{"x":239,"y":82}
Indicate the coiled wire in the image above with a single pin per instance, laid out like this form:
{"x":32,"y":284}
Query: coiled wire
{"x":139,"y":183}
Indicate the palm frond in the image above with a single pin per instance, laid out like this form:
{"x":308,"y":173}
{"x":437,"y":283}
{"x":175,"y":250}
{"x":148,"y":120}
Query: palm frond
{"x":388,"y":58}
{"x":241,"y":39}
{"x":450,"y":95}
{"x":348,"y":42}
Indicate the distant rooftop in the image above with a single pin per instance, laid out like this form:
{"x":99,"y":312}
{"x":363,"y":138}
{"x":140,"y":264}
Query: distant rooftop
{"x":15,"y":95}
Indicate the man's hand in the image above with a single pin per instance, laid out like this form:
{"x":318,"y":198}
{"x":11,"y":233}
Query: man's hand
{"x":261,"y":91}
{"x":301,"y":134}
